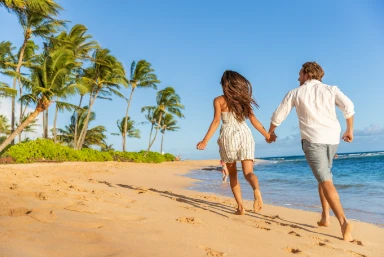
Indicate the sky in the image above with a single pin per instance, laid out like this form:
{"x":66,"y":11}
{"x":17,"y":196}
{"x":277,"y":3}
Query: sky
{"x":191,"y":43}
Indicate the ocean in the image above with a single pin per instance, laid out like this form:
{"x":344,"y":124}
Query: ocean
{"x":288,"y":181}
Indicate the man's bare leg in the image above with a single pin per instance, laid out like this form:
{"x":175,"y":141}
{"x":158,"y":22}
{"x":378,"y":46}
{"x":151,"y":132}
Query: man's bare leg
{"x":333,"y":199}
{"x":325,"y":220}
{"x":235,"y":186}
{"x":252,"y":179}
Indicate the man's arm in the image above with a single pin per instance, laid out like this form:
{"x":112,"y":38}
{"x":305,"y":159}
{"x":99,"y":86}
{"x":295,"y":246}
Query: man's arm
{"x":346,"y":106}
{"x":348,"y":135}
{"x":282,"y":112}
{"x":344,"y":103}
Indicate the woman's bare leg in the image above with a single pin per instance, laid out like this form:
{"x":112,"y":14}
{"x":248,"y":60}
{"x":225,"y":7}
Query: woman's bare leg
{"x":252,"y":179}
{"x":235,"y":186}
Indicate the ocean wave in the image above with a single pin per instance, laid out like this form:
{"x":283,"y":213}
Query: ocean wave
{"x":344,"y":186}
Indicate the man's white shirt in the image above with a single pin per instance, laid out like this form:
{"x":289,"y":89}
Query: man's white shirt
{"x":315,"y":106}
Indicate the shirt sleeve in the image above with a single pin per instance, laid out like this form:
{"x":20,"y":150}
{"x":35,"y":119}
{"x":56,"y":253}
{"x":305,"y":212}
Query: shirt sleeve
{"x":283,"y":110}
{"x":344,"y":103}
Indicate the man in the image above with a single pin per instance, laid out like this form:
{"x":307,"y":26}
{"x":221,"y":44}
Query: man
{"x":320,"y":134}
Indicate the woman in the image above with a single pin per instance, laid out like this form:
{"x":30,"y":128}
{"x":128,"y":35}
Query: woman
{"x":236,"y":142}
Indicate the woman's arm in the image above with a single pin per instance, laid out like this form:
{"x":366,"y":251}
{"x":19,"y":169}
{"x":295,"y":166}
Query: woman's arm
{"x":261,"y":129}
{"x":214,"y":125}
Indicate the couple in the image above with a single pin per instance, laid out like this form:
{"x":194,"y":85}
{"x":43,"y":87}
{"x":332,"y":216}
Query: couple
{"x":320,"y":133}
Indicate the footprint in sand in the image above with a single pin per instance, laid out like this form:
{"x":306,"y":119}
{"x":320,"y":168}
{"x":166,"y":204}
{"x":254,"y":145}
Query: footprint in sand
{"x":189,"y":220}
{"x":190,"y":208}
{"x":82,"y":208}
{"x":78,"y":189}
{"x":212,"y":252}
{"x":14,"y":186}
{"x":43,"y":215}
{"x":321,"y":244}
{"x":17,"y":212}
{"x":41,"y":196}
{"x":293,"y":233}
{"x":355,"y":254}
{"x":321,"y":239}
{"x":293,"y":250}
{"x":260,"y":227}
{"x":209,"y":197}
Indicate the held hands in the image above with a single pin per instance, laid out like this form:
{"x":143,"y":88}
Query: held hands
{"x":271,"y":138}
{"x":348,"y":136}
{"x":201,"y":145}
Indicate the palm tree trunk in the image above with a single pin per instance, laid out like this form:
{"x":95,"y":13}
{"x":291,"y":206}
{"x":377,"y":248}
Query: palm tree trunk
{"x":21,"y":108}
{"x":123,"y":140}
{"x":54,"y":123}
{"x":162,"y":140}
{"x":150,"y":135}
{"x":18,"y":67}
{"x":126,"y":116}
{"x":27,"y":121}
{"x":46,"y":124}
{"x":76,"y":121}
{"x":153,"y":141}
{"x":85,"y":128}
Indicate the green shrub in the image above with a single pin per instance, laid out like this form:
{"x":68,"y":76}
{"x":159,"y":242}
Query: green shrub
{"x":46,"y":150}
{"x":169,"y":157}
{"x":152,"y":157}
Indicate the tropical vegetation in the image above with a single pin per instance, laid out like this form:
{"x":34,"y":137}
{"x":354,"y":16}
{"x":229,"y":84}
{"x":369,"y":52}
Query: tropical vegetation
{"x":71,"y":72}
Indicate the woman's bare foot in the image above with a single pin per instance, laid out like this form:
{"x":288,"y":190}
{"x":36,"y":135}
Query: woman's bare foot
{"x":323,"y":224}
{"x":346,"y":230}
{"x":240,"y":211}
{"x":258,"y":202}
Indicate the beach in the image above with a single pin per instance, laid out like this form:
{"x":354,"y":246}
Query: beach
{"x":132,"y":209}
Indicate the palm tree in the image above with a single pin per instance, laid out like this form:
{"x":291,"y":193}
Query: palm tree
{"x":104,"y":79}
{"x":142,"y":76}
{"x":78,"y":41}
{"x":7,"y":60}
{"x":61,"y":107}
{"x":107,"y":148}
{"x":6,"y":64}
{"x":47,"y":81}
{"x":152,"y":117}
{"x":37,"y":19}
{"x":167,"y":102}
{"x":30,"y":128}
{"x":129,"y":131}
{"x":13,"y":4}
{"x":4,"y":125}
{"x":6,"y":91}
{"x":168,"y":123}
{"x":94,"y":136}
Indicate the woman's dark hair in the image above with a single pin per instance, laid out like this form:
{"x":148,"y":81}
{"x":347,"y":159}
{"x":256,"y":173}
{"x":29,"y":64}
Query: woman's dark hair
{"x":238,"y":94}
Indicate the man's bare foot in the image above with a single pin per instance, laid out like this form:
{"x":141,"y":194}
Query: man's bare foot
{"x":346,"y":230}
{"x":258,"y":202}
{"x":240,"y":211}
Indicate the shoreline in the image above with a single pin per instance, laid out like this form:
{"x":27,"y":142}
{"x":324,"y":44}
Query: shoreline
{"x":204,"y":187}
{"x":118,"y":209}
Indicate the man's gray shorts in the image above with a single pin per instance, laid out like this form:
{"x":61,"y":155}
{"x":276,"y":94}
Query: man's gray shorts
{"x":320,"y":158}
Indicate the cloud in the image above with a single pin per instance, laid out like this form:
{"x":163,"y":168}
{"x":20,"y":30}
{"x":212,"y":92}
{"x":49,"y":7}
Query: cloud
{"x":372,"y":130}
